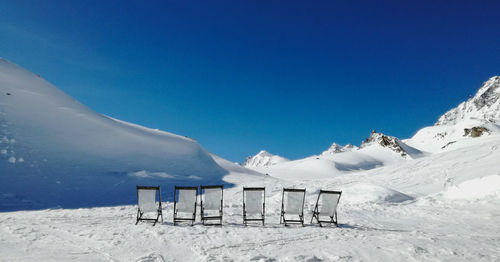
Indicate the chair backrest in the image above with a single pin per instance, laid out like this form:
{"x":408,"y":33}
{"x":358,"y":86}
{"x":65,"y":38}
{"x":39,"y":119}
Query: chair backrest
{"x":329,"y":202}
{"x":254,"y":200}
{"x":294,"y":199}
{"x":213,"y":197}
{"x":186,"y":201}
{"x":146,"y":197}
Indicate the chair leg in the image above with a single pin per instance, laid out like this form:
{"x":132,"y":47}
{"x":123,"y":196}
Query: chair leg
{"x":157,"y":217}
{"x":139,"y":215}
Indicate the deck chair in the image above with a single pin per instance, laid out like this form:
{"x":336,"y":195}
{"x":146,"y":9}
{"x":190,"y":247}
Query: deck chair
{"x":292,"y":205}
{"x":211,"y":204}
{"x":327,"y":207}
{"x":185,"y":199}
{"x":146,"y":198}
{"x":254,"y":204}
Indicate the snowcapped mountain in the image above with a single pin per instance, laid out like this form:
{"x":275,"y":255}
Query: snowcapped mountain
{"x":378,"y":150}
{"x":478,"y":116}
{"x":263,"y":159}
{"x":336,"y":148}
{"x":55,"y":151}
{"x":483,"y":107}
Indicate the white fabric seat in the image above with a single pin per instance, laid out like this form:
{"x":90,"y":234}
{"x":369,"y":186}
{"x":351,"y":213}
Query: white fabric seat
{"x":147,"y":200}
{"x":253,"y":202}
{"x":294,"y":202}
{"x":187,"y":201}
{"x":213,"y":197}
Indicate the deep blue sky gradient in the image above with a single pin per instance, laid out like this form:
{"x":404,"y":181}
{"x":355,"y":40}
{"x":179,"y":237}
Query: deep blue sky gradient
{"x":290,"y":77}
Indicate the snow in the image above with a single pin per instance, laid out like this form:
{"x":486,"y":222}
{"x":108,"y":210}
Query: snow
{"x":374,"y":224}
{"x":482,"y":110}
{"x":336,"y":148}
{"x":484,"y":106}
{"x":66,"y":152}
{"x":330,"y":165}
{"x":263,"y":159}
{"x":373,"y":194}
{"x":475,"y":188}
{"x":439,"y":202}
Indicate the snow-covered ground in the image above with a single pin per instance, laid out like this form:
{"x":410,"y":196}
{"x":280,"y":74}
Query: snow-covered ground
{"x":422,"y":210}
{"x":433,"y":197}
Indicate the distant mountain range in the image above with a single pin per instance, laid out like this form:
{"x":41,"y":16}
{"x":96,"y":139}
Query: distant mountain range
{"x":478,"y":116}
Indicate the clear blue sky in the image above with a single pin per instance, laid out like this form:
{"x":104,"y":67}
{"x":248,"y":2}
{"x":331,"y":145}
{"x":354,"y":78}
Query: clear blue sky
{"x":290,"y":77}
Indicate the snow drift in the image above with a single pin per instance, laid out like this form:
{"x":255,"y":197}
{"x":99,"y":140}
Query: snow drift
{"x":488,"y":186}
{"x":54,"y":151}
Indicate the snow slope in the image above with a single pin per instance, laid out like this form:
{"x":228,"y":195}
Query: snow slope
{"x":54,"y":151}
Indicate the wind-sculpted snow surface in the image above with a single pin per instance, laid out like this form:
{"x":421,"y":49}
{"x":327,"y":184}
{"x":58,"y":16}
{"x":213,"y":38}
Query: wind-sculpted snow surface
{"x":55,"y":151}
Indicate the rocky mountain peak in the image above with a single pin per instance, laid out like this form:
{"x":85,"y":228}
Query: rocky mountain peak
{"x":390,"y":142}
{"x":484,"y":105}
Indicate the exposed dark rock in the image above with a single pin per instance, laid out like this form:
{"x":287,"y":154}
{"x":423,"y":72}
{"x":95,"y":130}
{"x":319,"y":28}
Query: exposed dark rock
{"x":385,"y":141}
{"x":476,"y":131}
{"x":440,"y":135}
{"x":449,"y":143}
